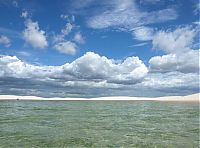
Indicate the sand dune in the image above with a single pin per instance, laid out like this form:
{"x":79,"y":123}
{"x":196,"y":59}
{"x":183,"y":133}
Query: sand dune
{"x":189,"y":98}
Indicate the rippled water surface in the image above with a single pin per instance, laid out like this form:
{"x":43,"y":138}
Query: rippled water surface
{"x":98,"y":124}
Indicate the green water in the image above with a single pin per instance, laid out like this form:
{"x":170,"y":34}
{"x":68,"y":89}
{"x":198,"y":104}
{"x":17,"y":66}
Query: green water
{"x":98,"y":124}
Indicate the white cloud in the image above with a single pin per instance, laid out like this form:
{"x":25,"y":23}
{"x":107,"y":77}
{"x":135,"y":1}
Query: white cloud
{"x":89,"y":67}
{"x":93,"y":66}
{"x":24,"y":14}
{"x":126,"y":14}
{"x":64,"y":32}
{"x":121,"y":14}
{"x":196,"y":23}
{"x":171,"y":82}
{"x":68,"y":28}
{"x":143,"y":33}
{"x":13,"y":67}
{"x":178,"y":40}
{"x":34,"y":36}
{"x":5,"y":41}
{"x":79,"y":38}
{"x":66,"y":47}
{"x":187,"y":62}
{"x":58,"y":38}
{"x":88,"y":75}
{"x":162,"y":15}
{"x":177,"y":44}
{"x":92,"y":74}
{"x":138,"y":45}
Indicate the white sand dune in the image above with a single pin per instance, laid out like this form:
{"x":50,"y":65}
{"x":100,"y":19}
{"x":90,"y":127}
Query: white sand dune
{"x":189,"y":98}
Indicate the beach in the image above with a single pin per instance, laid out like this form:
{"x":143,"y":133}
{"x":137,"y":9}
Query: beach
{"x":188,"y":98}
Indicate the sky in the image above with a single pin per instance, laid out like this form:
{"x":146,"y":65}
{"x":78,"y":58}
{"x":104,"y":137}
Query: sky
{"x":91,"y":48}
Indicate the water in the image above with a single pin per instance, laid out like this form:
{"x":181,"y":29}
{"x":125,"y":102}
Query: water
{"x":98,"y":124}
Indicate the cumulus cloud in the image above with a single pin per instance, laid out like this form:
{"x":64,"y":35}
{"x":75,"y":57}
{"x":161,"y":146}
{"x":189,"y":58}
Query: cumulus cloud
{"x":93,"y":75}
{"x":4,"y":40}
{"x":33,"y":35}
{"x":66,"y":47}
{"x":187,"y":62}
{"x":90,"y":66}
{"x":13,"y":67}
{"x":177,"y":44}
{"x":91,"y":70}
{"x":96,"y":67}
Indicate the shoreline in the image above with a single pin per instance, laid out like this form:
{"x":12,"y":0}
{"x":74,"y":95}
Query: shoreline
{"x":189,"y":98}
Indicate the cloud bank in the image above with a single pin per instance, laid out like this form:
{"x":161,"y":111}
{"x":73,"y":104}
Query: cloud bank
{"x":93,"y":75}
{"x":89,"y":71}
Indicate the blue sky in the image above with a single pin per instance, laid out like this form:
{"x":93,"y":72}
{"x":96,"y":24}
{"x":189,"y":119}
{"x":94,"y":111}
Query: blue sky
{"x":99,"y":48}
